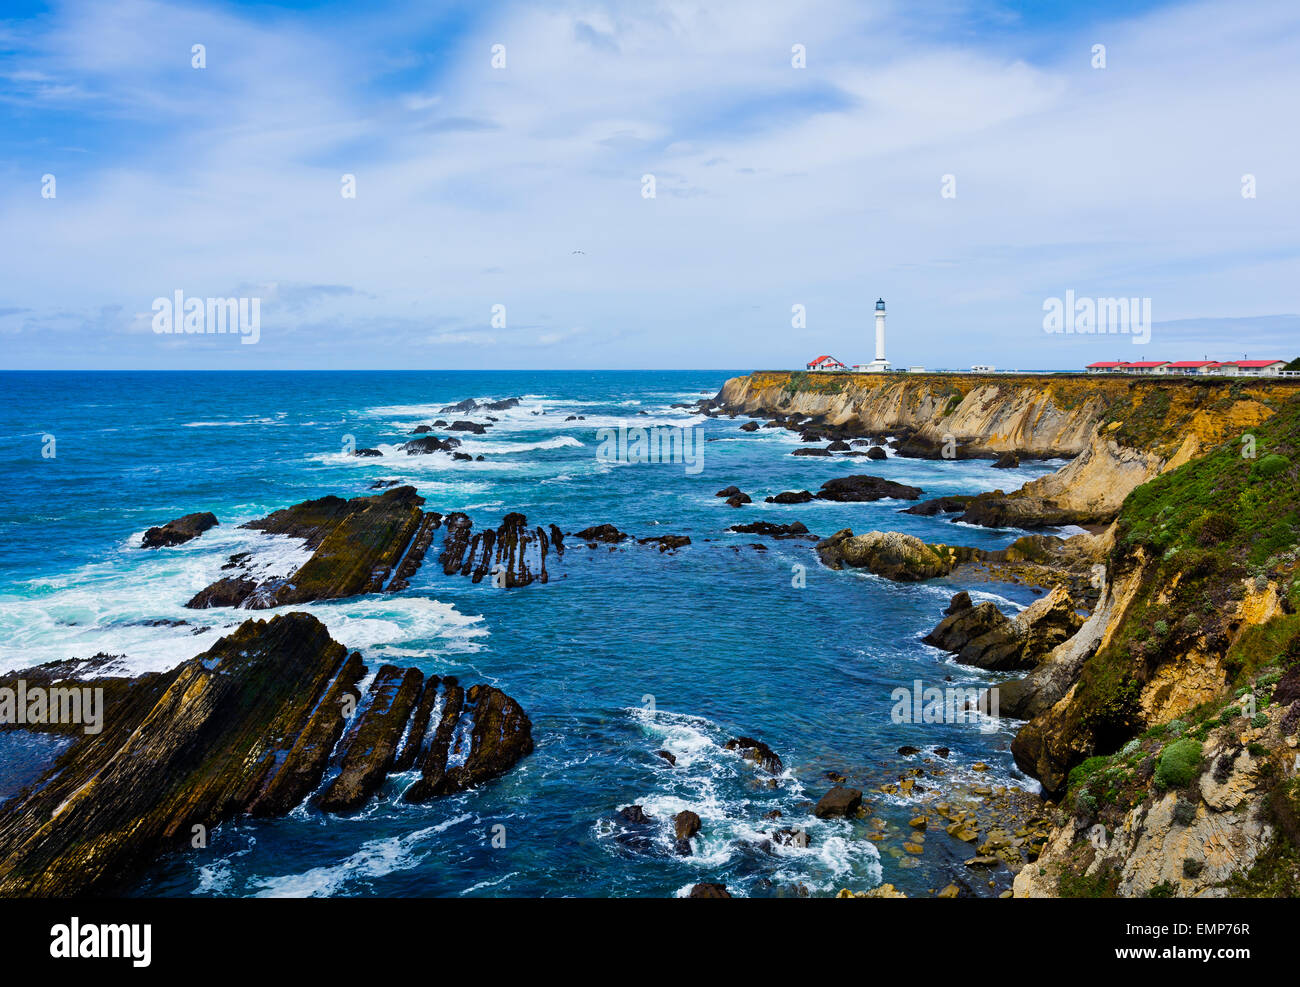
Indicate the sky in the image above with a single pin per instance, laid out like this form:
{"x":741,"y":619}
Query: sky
{"x":966,"y":161}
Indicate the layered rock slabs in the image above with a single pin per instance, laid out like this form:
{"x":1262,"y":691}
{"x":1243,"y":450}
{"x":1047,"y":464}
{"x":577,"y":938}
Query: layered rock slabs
{"x":376,"y":544}
{"x":267,"y":718}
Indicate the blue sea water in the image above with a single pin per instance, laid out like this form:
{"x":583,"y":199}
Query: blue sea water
{"x":625,"y":651}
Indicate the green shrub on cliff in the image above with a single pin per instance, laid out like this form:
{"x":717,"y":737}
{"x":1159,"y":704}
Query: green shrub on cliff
{"x":1179,"y":765}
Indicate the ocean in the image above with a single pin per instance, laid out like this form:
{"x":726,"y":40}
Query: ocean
{"x":623,"y":653}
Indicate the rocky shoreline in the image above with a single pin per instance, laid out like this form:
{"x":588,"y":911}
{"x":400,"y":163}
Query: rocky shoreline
{"x":1169,"y":643}
{"x":1156,"y":678}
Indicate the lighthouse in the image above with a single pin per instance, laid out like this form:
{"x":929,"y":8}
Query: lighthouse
{"x":879,"y":363}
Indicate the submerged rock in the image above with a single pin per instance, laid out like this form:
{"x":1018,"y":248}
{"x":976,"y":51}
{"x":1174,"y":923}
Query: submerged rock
{"x":756,"y":751}
{"x":179,"y":531}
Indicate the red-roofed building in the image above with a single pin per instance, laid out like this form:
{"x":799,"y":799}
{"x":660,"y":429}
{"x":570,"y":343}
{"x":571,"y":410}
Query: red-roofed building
{"x":1193,"y":366}
{"x":1145,"y":367}
{"x":826,"y":363}
{"x":1253,"y":368}
{"x":1231,"y":368}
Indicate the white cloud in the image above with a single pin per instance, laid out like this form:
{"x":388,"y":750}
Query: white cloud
{"x":775,"y":185}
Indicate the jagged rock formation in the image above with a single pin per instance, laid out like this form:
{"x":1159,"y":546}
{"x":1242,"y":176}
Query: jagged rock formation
{"x":357,"y":543}
{"x":377,"y":544}
{"x":981,"y":635}
{"x":179,"y":531}
{"x":251,"y":726}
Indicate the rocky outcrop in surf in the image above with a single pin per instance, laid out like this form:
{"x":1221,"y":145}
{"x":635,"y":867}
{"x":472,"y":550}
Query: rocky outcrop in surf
{"x":178,"y":532}
{"x":982,"y":636}
{"x":358,"y":543}
{"x":266,"y":717}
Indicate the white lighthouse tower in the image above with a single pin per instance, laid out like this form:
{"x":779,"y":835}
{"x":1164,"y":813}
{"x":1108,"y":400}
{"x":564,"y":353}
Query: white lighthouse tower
{"x":879,"y":363}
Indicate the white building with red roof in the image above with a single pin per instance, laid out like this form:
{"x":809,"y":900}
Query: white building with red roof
{"x":826,"y":363}
{"x":1192,"y":368}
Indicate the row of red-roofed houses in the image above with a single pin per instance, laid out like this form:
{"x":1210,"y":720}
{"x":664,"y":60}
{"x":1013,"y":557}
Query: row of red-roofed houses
{"x":1192,"y":368}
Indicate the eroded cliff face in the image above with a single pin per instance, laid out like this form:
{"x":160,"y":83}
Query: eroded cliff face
{"x":1117,"y":433}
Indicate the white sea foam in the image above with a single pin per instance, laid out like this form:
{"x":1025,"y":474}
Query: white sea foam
{"x":106,"y":607}
{"x":376,"y":858}
{"x":716,"y":784}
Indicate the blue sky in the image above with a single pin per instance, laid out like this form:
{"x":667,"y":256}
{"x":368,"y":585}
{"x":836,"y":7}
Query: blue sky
{"x":522,"y":186}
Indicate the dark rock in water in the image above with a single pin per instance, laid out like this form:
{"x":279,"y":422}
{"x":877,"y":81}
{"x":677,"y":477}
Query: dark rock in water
{"x":469,"y":404}
{"x":908,"y":751}
{"x":795,"y":529}
{"x":371,"y":742}
{"x":367,"y":453}
{"x":455,"y":542}
{"x":960,"y":601}
{"x":247,"y":727}
{"x":179,"y":531}
{"x":791,"y":497}
{"x":839,"y":445}
{"x":606,"y":533}
{"x":462,"y":457}
{"x":667,"y":756}
{"x":230,"y":591}
{"x":634,"y":814}
{"x":860,"y":488}
{"x":1007,"y":461}
{"x":939,"y":505}
{"x":920,"y":446}
{"x":877,"y":452}
{"x":756,"y":751}
{"x":666,"y":543}
{"x":357,"y":543}
{"x":463,"y":426}
{"x":384,"y":484}
{"x":421,"y":429}
{"x":482,"y":734}
{"x":503,"y":405}
{"x":811,"y":451}
{"x":440,"y":423}
{"x":731,"y":491}
{"x":738,"y":500}
{"x":683,"y":848}
{"x":942,"y":752}
{"x":749,"y":427}
{"x":428,"y":444}
{"x":838,"y":802}
{"x":686,"y":824}
{"x":789,"y":837}
{"x":709,"y":891}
